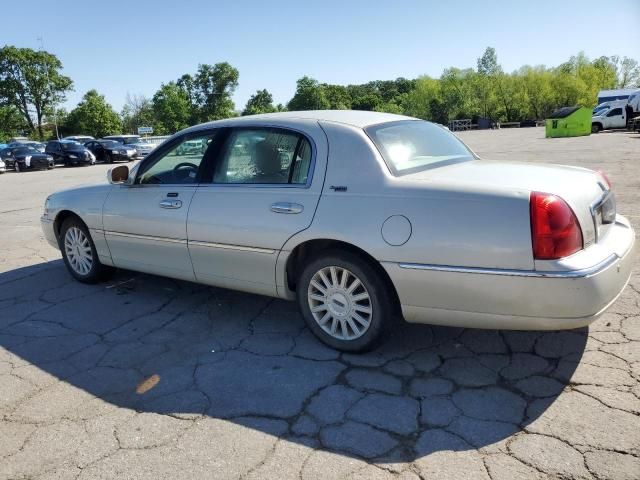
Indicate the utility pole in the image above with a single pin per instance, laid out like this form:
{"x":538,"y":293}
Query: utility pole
{"x":46,"y":71}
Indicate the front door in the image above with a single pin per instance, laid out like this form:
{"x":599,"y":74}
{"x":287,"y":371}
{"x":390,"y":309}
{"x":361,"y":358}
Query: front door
{"x":616,"y":118}
{"x":145,"y":222}
{"x":265,"y":187}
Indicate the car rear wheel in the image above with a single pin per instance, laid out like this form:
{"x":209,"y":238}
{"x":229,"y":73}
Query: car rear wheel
{"x":345,"y":302}
{"x":79,"y":252}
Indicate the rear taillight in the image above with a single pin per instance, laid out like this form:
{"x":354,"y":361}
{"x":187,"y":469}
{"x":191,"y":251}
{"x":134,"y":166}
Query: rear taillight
{"x":555,"y":230}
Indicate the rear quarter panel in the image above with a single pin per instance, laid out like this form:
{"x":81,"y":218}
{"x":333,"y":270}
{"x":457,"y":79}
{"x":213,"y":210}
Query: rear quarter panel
{"x":451,"y":225}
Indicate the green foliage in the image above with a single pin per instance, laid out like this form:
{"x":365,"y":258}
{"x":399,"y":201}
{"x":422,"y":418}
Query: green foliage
{"x":260,"y":102}
{"x":171,"y":109}
{"x":31,"y":82}
{"x":31,"y":85}
{"x":12,"y":123}
{"x":93,"y":116}
{"x":310,"y":95}
{"x":211,"y":90}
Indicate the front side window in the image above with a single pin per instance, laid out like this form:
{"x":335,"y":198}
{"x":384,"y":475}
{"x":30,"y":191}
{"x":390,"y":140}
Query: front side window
{"x":614,"y":112}
{"x":179,"y":164}
{"x":264,"y":156}
{"x":409,"y":146}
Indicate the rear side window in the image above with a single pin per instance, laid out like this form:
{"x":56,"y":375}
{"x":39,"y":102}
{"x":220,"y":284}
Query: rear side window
{"x":614,"y":112}
{"x":264,"y":156}
{"x":411,"y":146}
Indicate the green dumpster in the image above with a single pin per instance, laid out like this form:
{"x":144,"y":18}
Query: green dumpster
{"x":569,"y":122}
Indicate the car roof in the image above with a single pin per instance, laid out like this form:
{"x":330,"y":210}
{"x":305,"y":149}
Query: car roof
{"x":109,"y":137}
{"x":355,"y":118}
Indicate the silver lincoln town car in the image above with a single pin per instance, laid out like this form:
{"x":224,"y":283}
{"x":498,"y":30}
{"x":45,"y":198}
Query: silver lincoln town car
{"x":361,"y":217}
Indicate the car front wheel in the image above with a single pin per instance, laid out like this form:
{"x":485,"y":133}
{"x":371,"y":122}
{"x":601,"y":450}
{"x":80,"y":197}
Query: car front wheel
{"x":345,"y":302}
{"x":595,"y":128}
{"x":16,"y":166}
{"x":79,"y":252}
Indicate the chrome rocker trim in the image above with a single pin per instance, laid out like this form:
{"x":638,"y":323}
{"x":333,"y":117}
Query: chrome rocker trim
{"x":585,"y":272}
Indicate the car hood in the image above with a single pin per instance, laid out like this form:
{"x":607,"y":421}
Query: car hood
{"x":579,"y":187}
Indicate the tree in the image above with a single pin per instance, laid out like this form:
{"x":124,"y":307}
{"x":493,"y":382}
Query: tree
{"x":93,"y":116}
{"x":31,"y":81}
{"x":12,"y":123}
{"x":627,"y":72}
{"x":171,"y":108}
{"x":212,"y":87}
{"x":309,"y":96}
{"x":138,"y":112}
{"x":259,"y":102}
{"x":337,"y":96}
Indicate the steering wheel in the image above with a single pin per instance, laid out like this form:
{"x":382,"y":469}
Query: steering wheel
{"x":186,"y":174}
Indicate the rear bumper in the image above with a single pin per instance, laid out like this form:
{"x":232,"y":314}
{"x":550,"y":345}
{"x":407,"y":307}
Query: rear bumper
{"x":514,"y":299}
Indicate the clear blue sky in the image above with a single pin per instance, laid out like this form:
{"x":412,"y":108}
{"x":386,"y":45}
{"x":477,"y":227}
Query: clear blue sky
{"x":120,"y":46}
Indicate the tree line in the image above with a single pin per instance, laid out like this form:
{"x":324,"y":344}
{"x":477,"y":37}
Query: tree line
{"x":32,"y":85}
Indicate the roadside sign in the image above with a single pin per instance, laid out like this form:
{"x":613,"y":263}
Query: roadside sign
{"x":144,"y":130}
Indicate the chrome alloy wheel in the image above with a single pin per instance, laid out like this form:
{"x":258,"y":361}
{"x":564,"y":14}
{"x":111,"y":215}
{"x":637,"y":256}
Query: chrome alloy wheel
{"x":78,"y":251}
{"x":340,"y":303}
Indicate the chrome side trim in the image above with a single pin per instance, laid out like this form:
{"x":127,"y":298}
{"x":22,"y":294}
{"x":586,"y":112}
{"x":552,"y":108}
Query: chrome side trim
{"x":227,"y":246}
{"x":144,"y":237}
{"x":585,"y":272}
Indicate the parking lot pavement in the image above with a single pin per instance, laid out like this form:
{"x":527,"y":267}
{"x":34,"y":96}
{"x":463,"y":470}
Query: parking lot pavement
{"x":144,"y":377}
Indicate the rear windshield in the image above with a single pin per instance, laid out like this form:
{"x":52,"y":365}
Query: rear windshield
{"x":410,"y":146}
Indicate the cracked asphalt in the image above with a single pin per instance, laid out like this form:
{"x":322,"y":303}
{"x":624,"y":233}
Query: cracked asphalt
{"x":147,"y":378}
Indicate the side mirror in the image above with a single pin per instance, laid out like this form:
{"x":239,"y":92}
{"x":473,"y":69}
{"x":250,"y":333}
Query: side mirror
{"x":118,"y":174}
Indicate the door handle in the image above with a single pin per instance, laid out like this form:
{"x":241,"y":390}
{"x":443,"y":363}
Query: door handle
{"x":170,"y":203}
{"x":286,"y":207}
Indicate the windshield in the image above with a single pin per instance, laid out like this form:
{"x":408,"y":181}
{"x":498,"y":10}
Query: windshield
{"x":412,"y":145}
{"x":129,"y":140}
{"x":71,"y":146}
{"x":110,"y":144}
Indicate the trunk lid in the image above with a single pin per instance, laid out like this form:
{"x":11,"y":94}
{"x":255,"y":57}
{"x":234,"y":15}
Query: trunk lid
{"x":584,"y":190}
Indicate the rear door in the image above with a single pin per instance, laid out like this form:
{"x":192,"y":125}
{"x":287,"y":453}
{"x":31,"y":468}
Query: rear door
{"x":264,"y":188}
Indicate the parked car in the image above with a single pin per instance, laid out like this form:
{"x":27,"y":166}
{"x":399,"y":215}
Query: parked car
{"x":79,"y":138}
{"x":25,"y":158}
{"x":69,"y":153}
{"x":109,"y":151}
{"x":530,"y":122}
{"x":360,"y":216}
{"x":142,"y":148}
{"x":609,"y":118}
{"x":3,"y":166}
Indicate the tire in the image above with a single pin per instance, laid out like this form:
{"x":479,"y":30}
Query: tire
{"x":108,"y":158}
{"x":595,"y":128}
{"x":16,"y":166}
{"x":76,"y":244}
{"x":370,"y":300}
